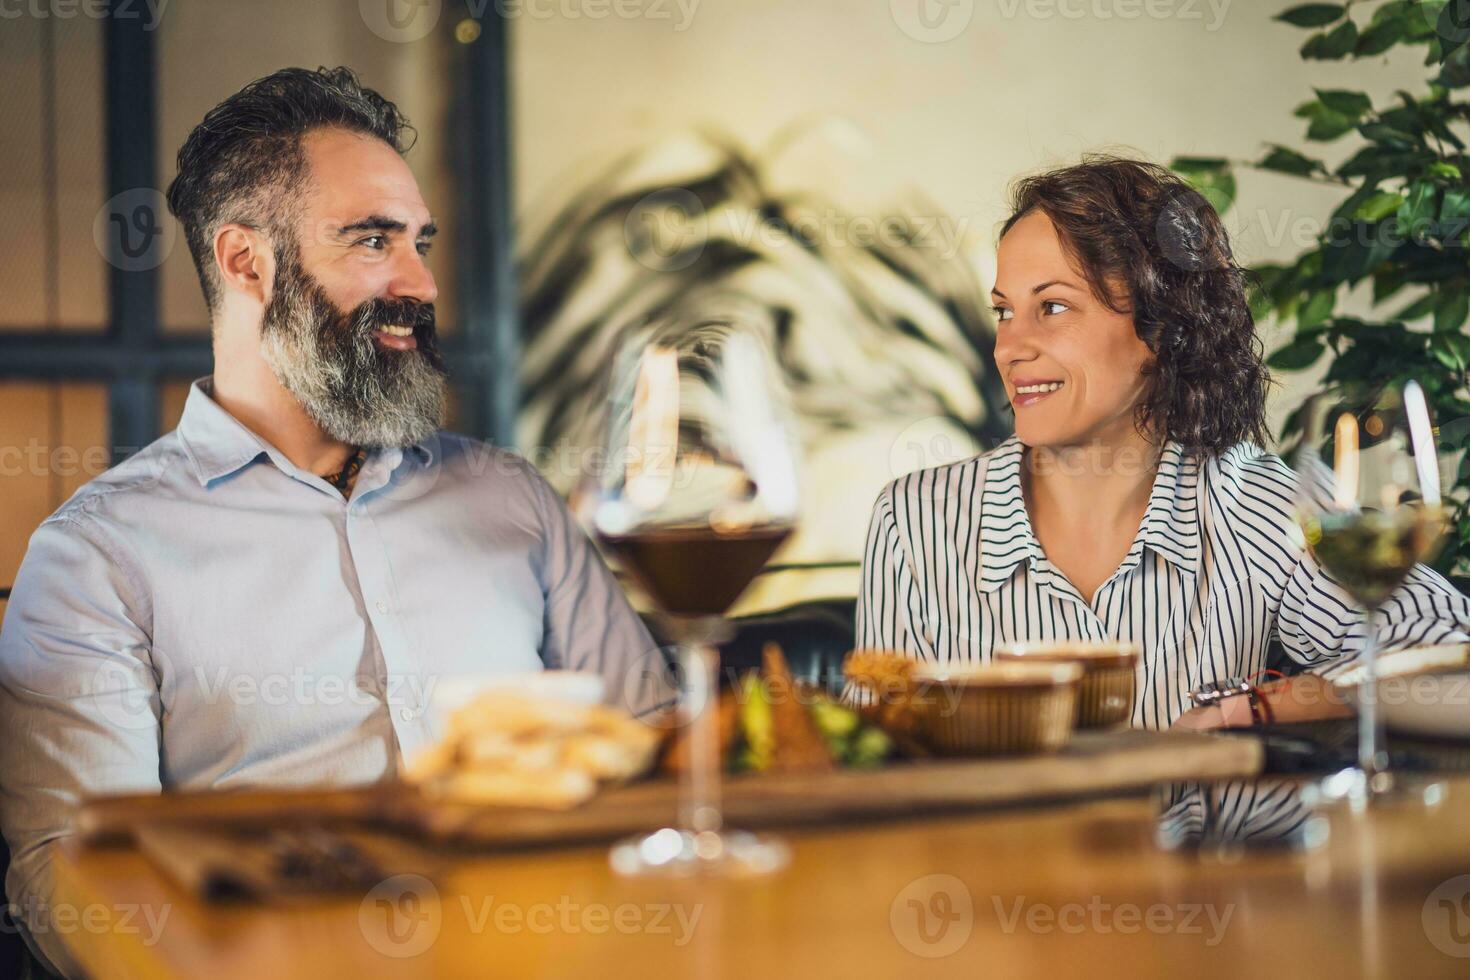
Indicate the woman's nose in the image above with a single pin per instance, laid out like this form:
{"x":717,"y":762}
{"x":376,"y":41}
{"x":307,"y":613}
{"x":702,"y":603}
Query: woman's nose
{"x":1013,"y":344}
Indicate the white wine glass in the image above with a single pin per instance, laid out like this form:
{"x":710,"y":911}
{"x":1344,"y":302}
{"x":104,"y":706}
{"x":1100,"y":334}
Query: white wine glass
{"x":1369,"y":503}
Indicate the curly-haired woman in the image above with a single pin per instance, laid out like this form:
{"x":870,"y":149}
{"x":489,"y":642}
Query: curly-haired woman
{"x":1136,"y":501}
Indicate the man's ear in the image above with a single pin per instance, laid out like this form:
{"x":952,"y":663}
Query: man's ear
{"x":245,"y":261}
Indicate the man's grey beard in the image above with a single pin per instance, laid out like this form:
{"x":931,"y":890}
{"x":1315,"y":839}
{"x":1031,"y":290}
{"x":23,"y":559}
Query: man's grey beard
{"x":355,"y":392}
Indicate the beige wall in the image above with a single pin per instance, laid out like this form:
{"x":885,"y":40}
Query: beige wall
{"x":1025,"y":84}
{"x":1021,"y":85}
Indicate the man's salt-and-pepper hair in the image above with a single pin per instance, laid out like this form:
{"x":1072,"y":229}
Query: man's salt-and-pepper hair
{"x":244,"y":161}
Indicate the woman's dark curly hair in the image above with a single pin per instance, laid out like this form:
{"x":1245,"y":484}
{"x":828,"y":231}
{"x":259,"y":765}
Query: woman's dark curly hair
{"x":1151,"y":245}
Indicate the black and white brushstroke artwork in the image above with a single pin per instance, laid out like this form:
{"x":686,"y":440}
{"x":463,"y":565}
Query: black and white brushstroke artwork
{"x":874,"y":311}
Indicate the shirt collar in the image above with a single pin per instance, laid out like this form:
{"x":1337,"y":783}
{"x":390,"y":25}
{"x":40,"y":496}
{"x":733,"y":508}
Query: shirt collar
{"x":217,"y":444}
{"x":1170,"y":523}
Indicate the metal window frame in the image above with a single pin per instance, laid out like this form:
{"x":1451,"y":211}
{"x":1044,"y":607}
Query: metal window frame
{"x":132,"y":355}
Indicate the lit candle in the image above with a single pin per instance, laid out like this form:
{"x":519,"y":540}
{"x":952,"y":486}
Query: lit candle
{"x":653,"y":430}
{"x":1345,"y":462}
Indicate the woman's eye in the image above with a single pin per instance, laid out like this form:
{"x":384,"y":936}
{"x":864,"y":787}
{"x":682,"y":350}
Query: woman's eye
{"x":1046,"y":307}
{"x":1001,"y":312}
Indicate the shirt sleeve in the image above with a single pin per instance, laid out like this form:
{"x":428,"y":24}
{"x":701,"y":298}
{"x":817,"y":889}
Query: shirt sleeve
{"x":590,"y":624}
{"x":883,"y":613}
{"x":79,"y":704}
{"x":1317,"y":622}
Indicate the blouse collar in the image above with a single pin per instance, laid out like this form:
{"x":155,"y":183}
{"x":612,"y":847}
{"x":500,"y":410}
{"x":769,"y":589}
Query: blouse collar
{"x":1170,"y":524}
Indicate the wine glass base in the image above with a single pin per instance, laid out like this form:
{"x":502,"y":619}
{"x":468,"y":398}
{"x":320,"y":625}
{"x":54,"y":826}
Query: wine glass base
{"x":670,"y":853}
{"x":1359,"y":789}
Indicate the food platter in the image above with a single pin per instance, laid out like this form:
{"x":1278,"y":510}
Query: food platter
{"x":1091,"y":764}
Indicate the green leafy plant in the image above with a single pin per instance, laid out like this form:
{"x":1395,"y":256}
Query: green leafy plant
{"x":1403,"y":226}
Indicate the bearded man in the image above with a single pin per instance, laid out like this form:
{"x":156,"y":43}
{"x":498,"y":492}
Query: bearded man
{"x":269,"y":594}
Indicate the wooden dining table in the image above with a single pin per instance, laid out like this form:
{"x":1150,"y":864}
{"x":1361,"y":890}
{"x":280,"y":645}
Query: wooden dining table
{"x":1072,"y":889}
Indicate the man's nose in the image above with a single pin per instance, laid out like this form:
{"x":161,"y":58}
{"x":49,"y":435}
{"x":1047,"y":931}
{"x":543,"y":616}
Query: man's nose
{"x":412,"y":279}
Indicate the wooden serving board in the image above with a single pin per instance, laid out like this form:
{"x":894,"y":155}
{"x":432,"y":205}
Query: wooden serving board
{"x":1093,"y":763}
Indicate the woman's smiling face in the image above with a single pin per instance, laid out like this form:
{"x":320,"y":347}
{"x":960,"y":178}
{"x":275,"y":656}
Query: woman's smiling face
{"x":1073,"y":368}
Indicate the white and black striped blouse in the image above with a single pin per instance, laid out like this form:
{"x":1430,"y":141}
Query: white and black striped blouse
{"x":1215,"y":574}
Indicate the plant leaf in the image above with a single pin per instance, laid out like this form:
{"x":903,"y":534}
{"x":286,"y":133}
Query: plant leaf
{"x":1380,"y":37}
{"x":1297,"y":355}
{"x":1316,"y":309}
{"x":1455,"y":211}
{"x":1332,"y":45}
{"x":1455,"y":69}
{"x":1421,"y":307}
{"x":1328,"y":125}
{"x":1185,"y":165}
{"x":1379,"y":206}
{"x":1312,"y":14}
{"x":1211,"y":176}
{"x":1378,"y":162}
{"x":1452,"y":350}
{"x":1451,"y":309}
{"x":1345,"y":101}
{"x":1387,"y":283}
{"x":1288,"y":161}
{"x":1417,"y":211}
{"x":1427,"y":15}
{"x":1453,"y":28}
{"x":1394,"y":10}
{"x":1389,"y":136}
{"x":1440,"y":168}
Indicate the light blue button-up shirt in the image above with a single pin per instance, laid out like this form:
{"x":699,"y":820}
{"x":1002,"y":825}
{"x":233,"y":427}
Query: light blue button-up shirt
{"x":208,"y":614}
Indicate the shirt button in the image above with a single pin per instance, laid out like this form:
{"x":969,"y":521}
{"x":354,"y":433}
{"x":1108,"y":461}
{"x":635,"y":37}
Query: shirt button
{"x":406,"y":714}
{"x":382,"y":606}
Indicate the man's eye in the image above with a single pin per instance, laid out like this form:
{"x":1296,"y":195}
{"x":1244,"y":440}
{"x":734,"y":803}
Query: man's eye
{"x":1046,"y":307}
{"x":1002,"y":312}
{"x":377,"y":242}
{"x":425,"y":247}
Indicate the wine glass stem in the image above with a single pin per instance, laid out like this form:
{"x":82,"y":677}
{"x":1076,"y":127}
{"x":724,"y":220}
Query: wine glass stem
{"x":699,"y":797}
{"x":1372,"y":756}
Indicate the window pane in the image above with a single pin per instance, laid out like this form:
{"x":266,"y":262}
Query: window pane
{"x":53,"y":439}
{"x":171,"y":398}
{"x":81,"y":172}
{"x":51,"y":273}
{"x":22,"y":241}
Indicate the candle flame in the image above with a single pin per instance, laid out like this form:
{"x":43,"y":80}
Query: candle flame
{"x":653,"y":431}
{"x":1421,"y":436}
{"x":1345,"y":462}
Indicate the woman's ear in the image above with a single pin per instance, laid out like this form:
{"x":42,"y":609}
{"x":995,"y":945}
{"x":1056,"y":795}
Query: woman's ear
{"x":245,"y":261}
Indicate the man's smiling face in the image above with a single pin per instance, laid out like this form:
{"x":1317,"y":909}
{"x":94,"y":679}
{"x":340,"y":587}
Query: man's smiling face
{"x":349,"y":328}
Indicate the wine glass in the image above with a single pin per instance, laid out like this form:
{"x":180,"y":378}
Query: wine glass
{"x":698,"y":489}
{"x":1368,"y":499}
